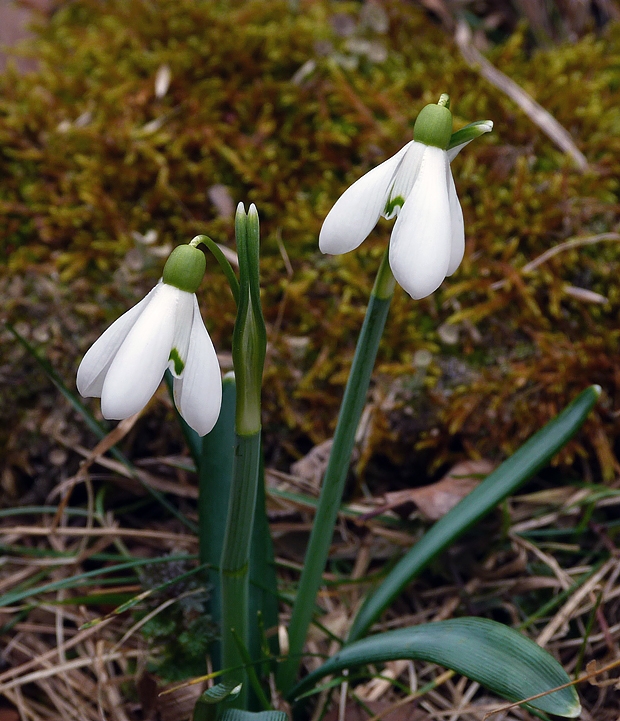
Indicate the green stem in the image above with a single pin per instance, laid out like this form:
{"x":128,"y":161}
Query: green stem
{"x":249,"y":342}
{"x":222,"y":260}
{"x":214,"y":482}
{"x":337,"y":468}
{"x":234,"y":566}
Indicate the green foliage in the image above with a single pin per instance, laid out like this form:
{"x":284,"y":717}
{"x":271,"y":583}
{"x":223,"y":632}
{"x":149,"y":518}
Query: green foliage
{"x":496,"y":487}
{"x":495,"y":655}
{"x":284,"y":110}
{"x":234,"y":714}
{"x":208,"y":706}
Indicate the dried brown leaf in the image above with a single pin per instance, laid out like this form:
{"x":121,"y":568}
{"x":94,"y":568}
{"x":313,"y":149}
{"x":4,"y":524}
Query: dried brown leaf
{"x":436,"y":499}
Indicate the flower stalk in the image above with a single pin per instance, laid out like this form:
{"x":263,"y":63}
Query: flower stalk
{"x":337,"y":469}
{"x":427,"y":244}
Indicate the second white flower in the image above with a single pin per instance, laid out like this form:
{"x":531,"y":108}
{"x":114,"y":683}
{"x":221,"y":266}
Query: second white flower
{"x":416,"y":184}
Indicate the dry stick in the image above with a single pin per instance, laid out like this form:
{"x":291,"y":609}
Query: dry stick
{"x":535,"y":112}
{"x":60,"y":642}
{"x":102,"y":447}
{"x":564,"y":579}
{"x":465,"y":700}
{"x":24,"y":713}
{"x":573,"y":602}
{"x":34,"y":650}
{"x":162,"y":607}
{"x":69,"y":665}
{"x":159,"y":484}
{"x":560,"y":248}
{"x":78,"y":638}
{"x":585,"y":677}
{"x":106,"y":690}
{"x":442,"y":678}
{"x":16,"y":577}
{"x":124,"y":532}
{"x":592,"y":639}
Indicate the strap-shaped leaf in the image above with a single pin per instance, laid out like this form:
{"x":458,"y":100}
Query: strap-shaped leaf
{"x":470,"y":132}
{"x":512,"y":473}
{"x":214,"y":480}
{"x":235,"y":714}
{"x":497,"y":656}
{"x":207,"y":707}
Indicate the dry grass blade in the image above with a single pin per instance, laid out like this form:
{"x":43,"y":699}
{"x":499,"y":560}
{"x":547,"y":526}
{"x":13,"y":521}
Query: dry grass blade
{"x":567,"y":610}
{"x":535,"y":112}
{"x":561,"y":248}
{"x":177,"y":538}
{"x":564,"y":579}
{"x":143,"y":621}
{"x":442,"y":678}
{"x":77,"y":663}
{"x":159,"y":484}
{"x":585,"y":677}
{"x":121,"y":430}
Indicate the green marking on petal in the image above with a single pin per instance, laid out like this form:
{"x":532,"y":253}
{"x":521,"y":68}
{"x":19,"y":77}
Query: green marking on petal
{"x":393,"y":203}
{"x":178,"y":363}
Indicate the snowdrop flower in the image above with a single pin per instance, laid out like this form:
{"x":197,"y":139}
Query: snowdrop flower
{"x":416,"y":185}
{"x":165,"y":330}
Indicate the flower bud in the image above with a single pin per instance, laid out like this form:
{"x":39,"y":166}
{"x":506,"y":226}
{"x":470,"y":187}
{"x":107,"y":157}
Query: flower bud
{"x":433,"y":126}
{"x":185,"y":268}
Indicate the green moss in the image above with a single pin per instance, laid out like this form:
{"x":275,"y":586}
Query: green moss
{"x":274,"y":106}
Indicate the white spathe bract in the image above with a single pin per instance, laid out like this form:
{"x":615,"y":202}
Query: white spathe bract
{"x":126,"y":364}
{"x":428,"y":239}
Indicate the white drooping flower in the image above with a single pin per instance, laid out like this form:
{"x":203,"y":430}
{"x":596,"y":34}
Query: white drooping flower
{"x":125,"y":365}
{"x":416,"y":185}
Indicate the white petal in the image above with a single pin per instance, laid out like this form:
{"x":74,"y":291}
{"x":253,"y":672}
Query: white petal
{"x":198,"y":392}
{"x":95,"y":364}
{"x":457,"y":247}
{"x":182,"y":332}
{"x":358,"y":209}
{"x":453,"y":152}
{"x":421,"y":239}
{"x":140,"y":362}
{"x":404,"y":178}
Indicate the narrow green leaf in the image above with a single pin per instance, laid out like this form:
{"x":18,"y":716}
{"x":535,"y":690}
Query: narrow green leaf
{"x":226,"y":267}
{"x":219,"y":693}
{"x":532,"y":456}
{"x":470,"y":132}
{"x":157,"y":589}
{"x":263,"y":598}
{"x":13,"y":597}
{"x":207,"y":706}
{"x":235,"y":563}
{"x":496,"y":656}
{"x":214,"y":482}
{"x":235,"y":714}
{"x":35,"y":510}
{"x":251,"y":672}
{"x":335,"y":477}
{"x":94,"y":426}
